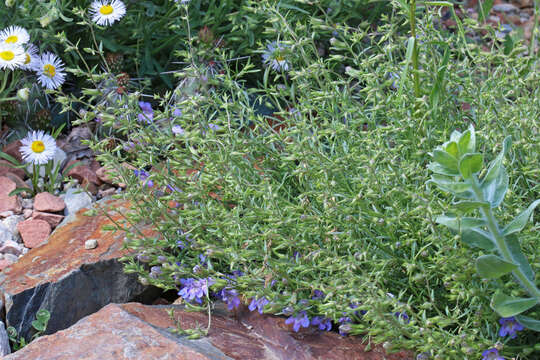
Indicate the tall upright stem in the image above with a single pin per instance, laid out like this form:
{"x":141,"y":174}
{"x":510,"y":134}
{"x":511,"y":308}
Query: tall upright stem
{"x":412,"y":21}
{"x":500,"y":241}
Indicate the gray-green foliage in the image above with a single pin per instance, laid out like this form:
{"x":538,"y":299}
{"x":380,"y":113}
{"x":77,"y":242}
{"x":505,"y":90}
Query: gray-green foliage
{"x":457,"y":167}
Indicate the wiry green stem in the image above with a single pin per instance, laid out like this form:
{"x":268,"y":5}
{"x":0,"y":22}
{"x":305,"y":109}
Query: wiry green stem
{"x":412,"y":21}
{"x":500,"y":241}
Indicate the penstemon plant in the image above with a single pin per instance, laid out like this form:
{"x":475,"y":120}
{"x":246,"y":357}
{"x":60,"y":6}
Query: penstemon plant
{"x":457,"y":167}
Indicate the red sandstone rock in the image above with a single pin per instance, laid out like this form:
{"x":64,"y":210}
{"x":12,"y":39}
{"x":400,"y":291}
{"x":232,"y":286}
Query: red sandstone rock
{"x":6,"y":185}
{"x":6,"y":167}
{"x":12,"y":149}
{"x":52,"y":219}
{"x":27,"y":213}
{"x":48,"y":202}
{"x":83,"y":173}
{"x":64,"y":268}
{"x":108,"y":175}
{"x":17,"y":180}
{"x":34,"y":232}
{"x":10,"y":203}
{"x":142,"y":332}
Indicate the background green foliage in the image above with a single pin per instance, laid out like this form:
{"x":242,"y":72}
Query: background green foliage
{"x":329,"y":192}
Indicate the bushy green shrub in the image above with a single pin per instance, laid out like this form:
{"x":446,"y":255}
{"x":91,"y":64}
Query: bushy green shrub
{"x":301,"y":190}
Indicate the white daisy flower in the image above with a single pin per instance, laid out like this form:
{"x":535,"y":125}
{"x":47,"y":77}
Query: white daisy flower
{"x":275,"y":56}
{"x":11,"y":56}
{"x":31,"y":57}
{"x":15,"y":35}
{"x":38,"y":148}
{"x":50,"y":71}
{"x":105,"y":12}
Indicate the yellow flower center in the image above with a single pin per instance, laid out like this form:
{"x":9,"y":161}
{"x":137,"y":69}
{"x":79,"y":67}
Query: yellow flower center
{"x":280,"y":58}
{"x":27,"y":60}
{"x":38,"y":146}
{"x":49,"y":70}
{"x":106,"y":10}
{"x":12,"y":39}
{"x":7,"y":55}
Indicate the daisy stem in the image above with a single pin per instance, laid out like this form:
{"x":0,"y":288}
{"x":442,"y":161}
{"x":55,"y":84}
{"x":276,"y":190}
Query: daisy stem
{"x":35,"y":177}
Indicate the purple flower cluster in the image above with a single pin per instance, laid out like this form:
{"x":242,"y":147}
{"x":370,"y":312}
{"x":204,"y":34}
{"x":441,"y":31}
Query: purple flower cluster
{"x":402,"y":316}
{"x":194,"y":289}
{"x":491,"y":354}
{"x":322,"y":323}
{"x":258,"y":304}
{"x":147,"y":115}
{"x":509,"y":326}
{"x":143,"y":175}
{"x":230,"y":297}
{"x":301,"y":319}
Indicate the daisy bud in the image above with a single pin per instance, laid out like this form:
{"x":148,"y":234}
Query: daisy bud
{"x":10,"y":3}
{"x":23,"y":94}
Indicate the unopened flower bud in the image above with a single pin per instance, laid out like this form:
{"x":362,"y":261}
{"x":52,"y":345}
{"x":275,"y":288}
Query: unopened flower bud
{"x":22,"y":94}
{"x":10,"y":3}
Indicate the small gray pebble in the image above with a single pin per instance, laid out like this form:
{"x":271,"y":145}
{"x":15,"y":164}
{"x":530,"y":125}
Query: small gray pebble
{"x":90,"y":244}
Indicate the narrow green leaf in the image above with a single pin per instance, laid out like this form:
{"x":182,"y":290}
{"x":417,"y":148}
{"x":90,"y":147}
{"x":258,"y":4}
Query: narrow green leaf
{"x":507,"y":306}
{"x":520,"y":221}
{"x":519,"y":258}
{"x":20,"y":190}
{"x":493,"y":267}
{"x":439,"y":3}
{"x":408,"y":59}
{"x":528,"y":322}
{"x":478,"y":238}
{"x":9,"y":158}
{"x":470,"y":164}
{"x":459,"y":224}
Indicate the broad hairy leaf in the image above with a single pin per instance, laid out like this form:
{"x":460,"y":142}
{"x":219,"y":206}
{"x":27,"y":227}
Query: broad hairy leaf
{"x":452,"y":149}
{"x":528,"y":322}
{"x":519,"y":258}
{"x":478,"y":238}
{"x":468,"y":206}
{"x":494,"y":191}
{"x":507,"y":306}
{"x":520,"y":221}
{"x":467,"y":141}
{"x":447,"y":184}
{"x":496,"y":165}
{"x":439,"y":169}
{"x":445,"y":160}
{"x":470,"y":164}
{"x":493,"y":267}
{"x":459,"y":224}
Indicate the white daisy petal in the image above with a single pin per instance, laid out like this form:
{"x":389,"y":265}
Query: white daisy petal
{"x":14,"y":35}
{"x":50,"y":71}
{"x":38,"y":148}
{"x":31,"y":57}
{"x":106,"y":12}
{"x":275,"y":56}
{"x":11,"y":56}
